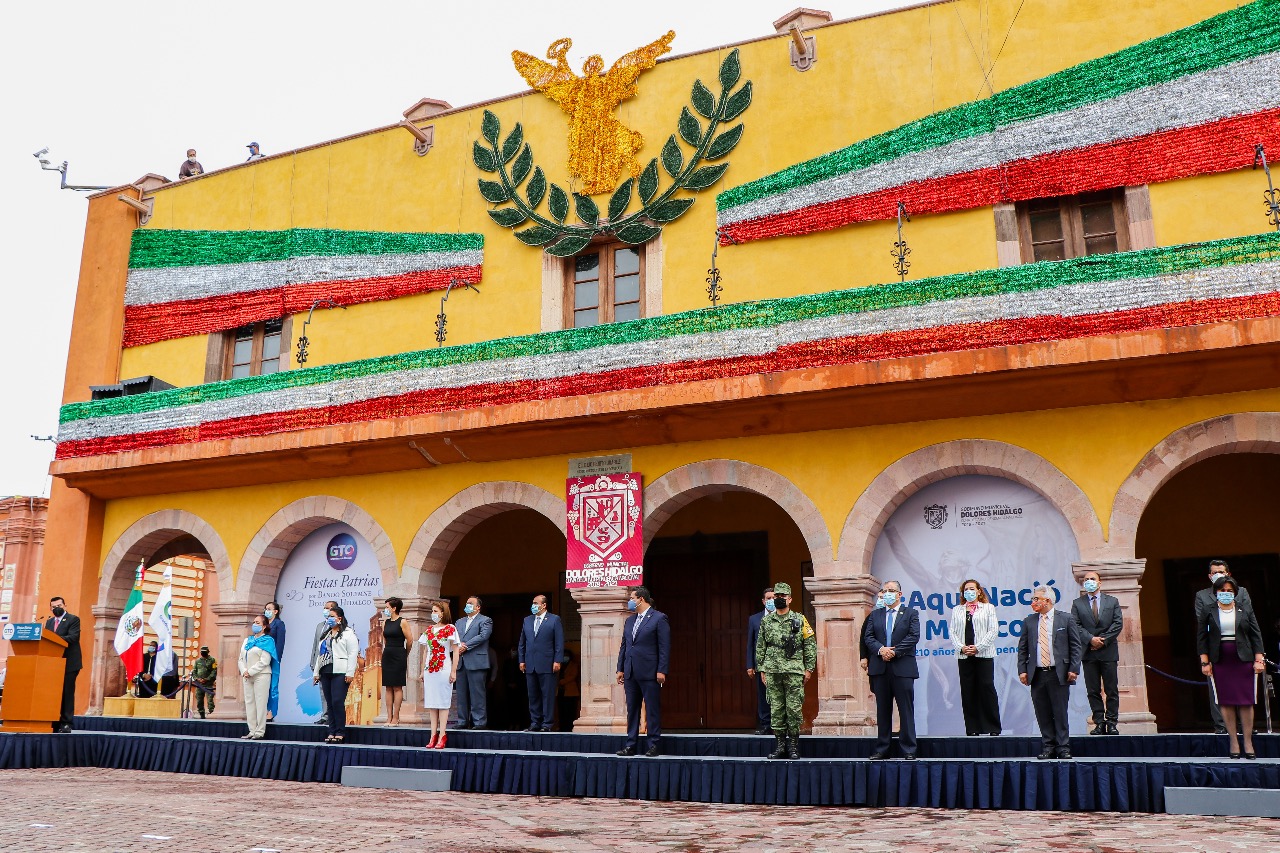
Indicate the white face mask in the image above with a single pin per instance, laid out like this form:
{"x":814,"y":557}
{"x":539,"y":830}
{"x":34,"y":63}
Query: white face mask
{"x":435,"y":616}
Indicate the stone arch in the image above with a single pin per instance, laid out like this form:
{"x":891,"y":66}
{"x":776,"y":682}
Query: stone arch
{"x":266,"y":555}
{"x":680,"y":487}
{"x":1242,"y":432}
{"x":149,"y":540}
{"x":440,"y":534}
{"x":153,"y":539}
{"x":911,"y":473}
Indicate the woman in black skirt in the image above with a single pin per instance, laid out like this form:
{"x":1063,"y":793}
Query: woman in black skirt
{"x":395,"y":658}
{"x":1232,"y":657}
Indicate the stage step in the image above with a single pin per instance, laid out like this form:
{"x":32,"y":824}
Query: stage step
{"x":396,"y":778}
{"x":1230,"y":802}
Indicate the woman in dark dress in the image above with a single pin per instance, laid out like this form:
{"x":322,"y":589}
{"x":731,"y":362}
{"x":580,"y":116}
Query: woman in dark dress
{"x":1231,"y":657}
{"x":395,"y":658}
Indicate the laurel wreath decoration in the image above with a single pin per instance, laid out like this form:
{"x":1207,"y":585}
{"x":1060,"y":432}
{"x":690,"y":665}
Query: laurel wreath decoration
{"x":512,"y":162}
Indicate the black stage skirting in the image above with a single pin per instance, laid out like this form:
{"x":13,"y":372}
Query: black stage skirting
{"x":549,"y":765}
{"x":711,"y":746}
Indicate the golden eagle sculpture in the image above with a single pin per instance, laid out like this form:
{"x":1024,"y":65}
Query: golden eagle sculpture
{"x":601,"y":148}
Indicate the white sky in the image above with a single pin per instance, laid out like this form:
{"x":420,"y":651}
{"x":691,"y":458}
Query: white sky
{"x":122,"y":89}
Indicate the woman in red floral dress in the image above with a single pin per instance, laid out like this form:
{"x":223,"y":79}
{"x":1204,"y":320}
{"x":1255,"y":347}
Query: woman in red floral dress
{"x":439,"y":670}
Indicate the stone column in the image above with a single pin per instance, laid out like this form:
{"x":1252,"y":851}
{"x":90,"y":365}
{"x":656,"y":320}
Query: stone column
{"x":106,"y":671}
{"x":845,"y":703}
{"x":1121,"y":578}
{"x":233,"y":618}
{"x":417,"y":611}
{"x":603,"y":612}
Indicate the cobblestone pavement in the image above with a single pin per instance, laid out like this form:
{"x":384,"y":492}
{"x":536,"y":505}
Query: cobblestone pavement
{"x":106,"y":811}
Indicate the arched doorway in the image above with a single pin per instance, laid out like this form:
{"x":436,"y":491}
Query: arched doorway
{"x":1223,"y":507}
{"x":201,"y":571}
{"x":718,"y":533}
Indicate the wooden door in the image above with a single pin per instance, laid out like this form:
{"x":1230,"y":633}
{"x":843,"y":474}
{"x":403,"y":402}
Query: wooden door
{"x":708,"y":594}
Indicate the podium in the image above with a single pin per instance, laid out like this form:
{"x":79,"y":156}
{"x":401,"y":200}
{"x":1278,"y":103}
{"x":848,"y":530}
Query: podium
{"x":33,"y":682}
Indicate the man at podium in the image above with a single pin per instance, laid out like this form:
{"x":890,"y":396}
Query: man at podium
{"x":66,"y":626}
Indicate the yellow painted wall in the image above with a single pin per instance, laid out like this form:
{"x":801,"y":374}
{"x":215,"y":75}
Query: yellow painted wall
{"x":1097,"y":447}
{"x":872,"y":75}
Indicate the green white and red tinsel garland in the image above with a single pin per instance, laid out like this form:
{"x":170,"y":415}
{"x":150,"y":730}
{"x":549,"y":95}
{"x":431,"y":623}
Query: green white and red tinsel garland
{"x":1104,"y":294}
{"x":185,"y":283}
{"x":1193,"y":102}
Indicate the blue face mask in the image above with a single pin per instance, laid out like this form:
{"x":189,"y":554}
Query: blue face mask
{"x":769,"y":605}
{"x":1225,"y":597}
{"x":890,"y":598}
{"x":257,"y":629}
{"x":631,"y":603}
{"x":1091,"y":585}
{"x":970,"y":595}
{"x":331,"y":620}
{"x":879,"y":601}
{"x":386,"y":612}
{"x":468,"y":610}
{"x":533,"y":608}
{"x":268,"y":612}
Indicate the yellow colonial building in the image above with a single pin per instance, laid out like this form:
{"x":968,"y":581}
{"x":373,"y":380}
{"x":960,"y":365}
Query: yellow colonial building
{"x":794,"y":283}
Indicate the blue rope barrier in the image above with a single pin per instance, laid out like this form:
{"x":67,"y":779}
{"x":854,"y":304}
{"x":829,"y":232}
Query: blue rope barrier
{"x":1176,"y":678}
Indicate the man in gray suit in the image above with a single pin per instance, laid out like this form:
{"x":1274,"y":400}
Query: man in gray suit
{"x":321,"y":628}
{"x":1100,"y":621}
{"x":1206,"y":601}
{"x":474,"y":630}
{"x":1049,"y":663}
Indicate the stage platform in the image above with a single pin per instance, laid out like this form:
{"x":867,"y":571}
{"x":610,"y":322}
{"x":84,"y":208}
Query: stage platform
{"x":1118,"y":773}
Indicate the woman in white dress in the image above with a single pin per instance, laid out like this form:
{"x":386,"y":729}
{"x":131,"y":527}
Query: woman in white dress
{"x":439,"y":670}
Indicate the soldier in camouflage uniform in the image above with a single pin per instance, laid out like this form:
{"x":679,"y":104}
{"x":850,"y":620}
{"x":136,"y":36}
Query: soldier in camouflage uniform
{"x":204,"y":674}
{"x":788,"y":654}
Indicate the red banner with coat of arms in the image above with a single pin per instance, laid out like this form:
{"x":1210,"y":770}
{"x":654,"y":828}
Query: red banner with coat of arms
{"x":606,"y":546}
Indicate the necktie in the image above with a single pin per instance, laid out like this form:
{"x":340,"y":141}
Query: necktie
{"x":635,"y":629}
{"x":1045,"y":659}
{"x":888,"y":632}
{"x":1094,"y":600}
{"x":537,"y":623}
{"x":56,"y":623}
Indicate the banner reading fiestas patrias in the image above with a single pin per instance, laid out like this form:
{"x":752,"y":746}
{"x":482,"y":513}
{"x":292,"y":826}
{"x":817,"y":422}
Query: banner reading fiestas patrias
{"x":605,"y":543}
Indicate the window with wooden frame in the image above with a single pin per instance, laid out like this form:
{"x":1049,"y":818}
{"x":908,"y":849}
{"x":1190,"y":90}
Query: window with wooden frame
{"x":604,"y":284}
{"x":1053,"y":229}
{"x":253,"y":350}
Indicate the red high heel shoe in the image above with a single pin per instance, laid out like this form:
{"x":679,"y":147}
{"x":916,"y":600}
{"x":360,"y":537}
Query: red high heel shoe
{"x":431,"y":744}
{"x":440,"y":743}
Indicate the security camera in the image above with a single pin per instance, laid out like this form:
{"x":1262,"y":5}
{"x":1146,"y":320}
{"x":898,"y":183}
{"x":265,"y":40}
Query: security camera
{"x":43,"y":151}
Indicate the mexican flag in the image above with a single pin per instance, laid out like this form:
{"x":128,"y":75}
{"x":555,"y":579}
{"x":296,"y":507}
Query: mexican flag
{"x":129,"y":631}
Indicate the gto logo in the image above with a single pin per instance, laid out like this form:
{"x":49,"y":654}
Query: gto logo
{"x":341,"y":552}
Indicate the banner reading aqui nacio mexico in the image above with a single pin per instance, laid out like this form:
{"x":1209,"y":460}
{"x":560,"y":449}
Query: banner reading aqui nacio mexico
{"x":605,"y":544}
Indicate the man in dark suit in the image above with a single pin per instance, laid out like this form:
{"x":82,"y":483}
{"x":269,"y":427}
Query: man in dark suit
{"x":474,"y":631}
{"x":67,"y":627}
{"x":1206,"y":601}
{"x":541,"y":649}
{"x":753,"y":631}
{"x":643,"y":658}
{"x":891,"y":634}
{"x":1100,"y":621}
{"x":1049,"y":662}
{"x":146,"y":682}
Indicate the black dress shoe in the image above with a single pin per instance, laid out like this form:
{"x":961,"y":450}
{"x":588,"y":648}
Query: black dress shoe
{"x":1112,"y":729}
{"x":652,"y":752}
{"x":910,"y":756}
{"x":1099,"y":729}
{"x":626,"y":752}
{"x":1046,"y":755}
{"x":1064,"y":753}
{"x":1219,"y":730}
{"x":546,"y":729}
{"x":878,"y":756}
{"x":533,"y":729}
{"x":1251,"y":756}
{"x":764,"y":731}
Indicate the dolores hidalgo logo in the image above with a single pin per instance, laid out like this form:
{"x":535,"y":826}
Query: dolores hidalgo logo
{"x":341,"y":552}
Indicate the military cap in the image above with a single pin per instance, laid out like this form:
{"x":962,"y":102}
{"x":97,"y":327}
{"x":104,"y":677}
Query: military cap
{"x":781,"y":588}
{"x":204,"y":648}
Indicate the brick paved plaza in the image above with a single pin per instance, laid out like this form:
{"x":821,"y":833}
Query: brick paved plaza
{"x":111,"y":811}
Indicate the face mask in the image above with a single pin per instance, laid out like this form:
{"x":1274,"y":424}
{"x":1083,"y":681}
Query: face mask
{"x":204,"y":654}
{"x":58,"y":611}
{"x":970,"y":595}
{"x":468,"y":610}
{"x":386,"y":613}
{"x":268,"y":613}
{"x":769,"y":605}
{"x":153,"y":648}
{"x":631,"y":603}
{"x":879,"y":601}
{"x":534,"y":609}
{"x":1225,"y":597}
{"x":779,"y":603}
{"x":331,"y":621}
{"x":890,"y":598}
{"x":1091,"y":585}
{"x":1213,"y":578}
{"x":435,"y":616}
{"x":257,"y":629}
